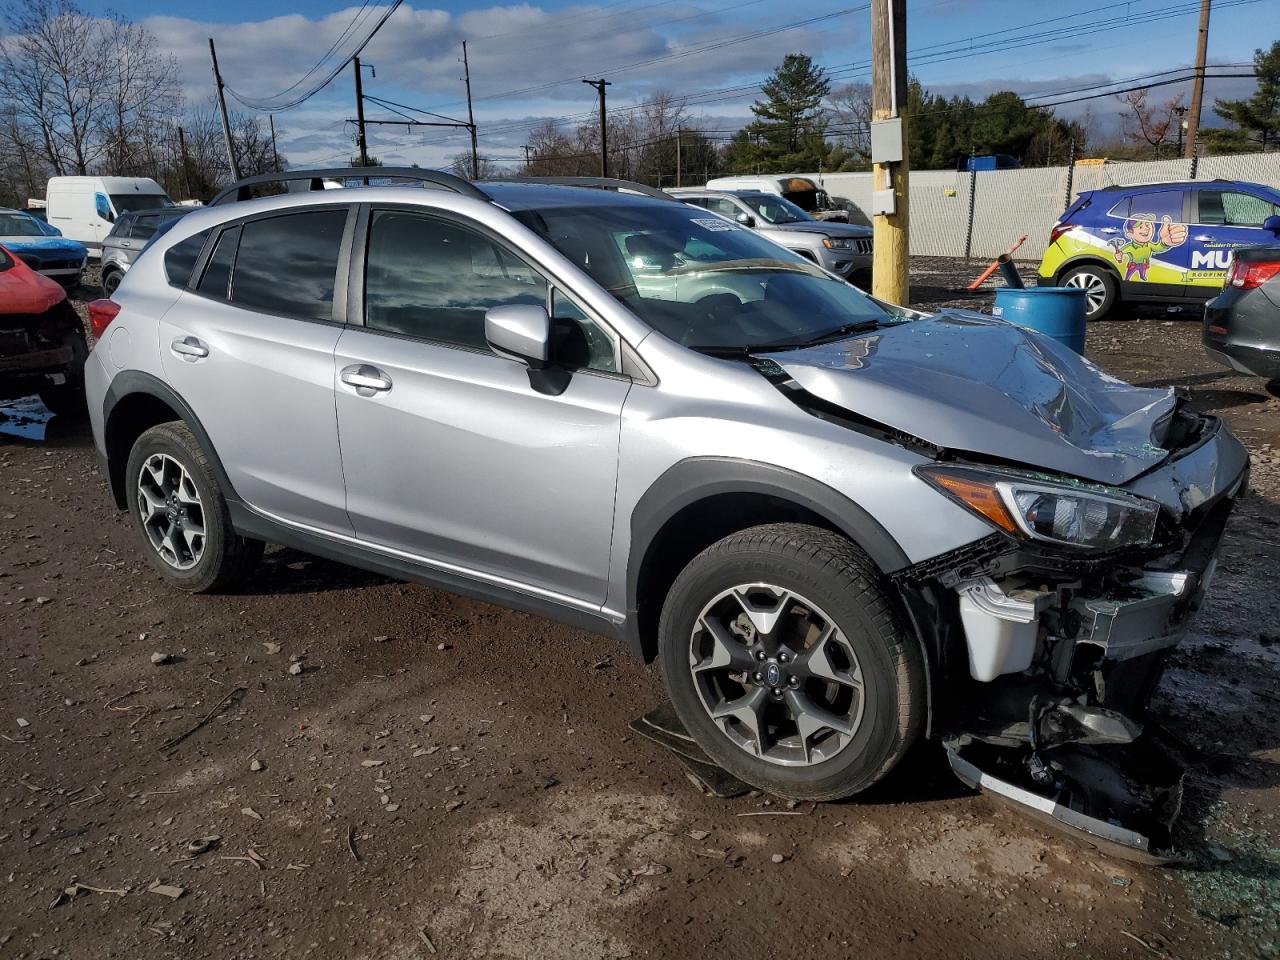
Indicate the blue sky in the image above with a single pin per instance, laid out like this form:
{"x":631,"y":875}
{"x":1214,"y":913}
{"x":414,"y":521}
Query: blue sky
{"x":527,"y":59}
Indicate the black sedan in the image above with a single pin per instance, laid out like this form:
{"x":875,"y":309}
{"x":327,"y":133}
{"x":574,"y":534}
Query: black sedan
{"x":1242,"y":324}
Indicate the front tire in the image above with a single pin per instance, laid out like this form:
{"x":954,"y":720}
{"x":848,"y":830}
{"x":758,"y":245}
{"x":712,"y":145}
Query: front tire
{"x":1101,"y":288}
{"x":788,"y":661}
{"x":110,"y":281}
{"x":183,"y":517}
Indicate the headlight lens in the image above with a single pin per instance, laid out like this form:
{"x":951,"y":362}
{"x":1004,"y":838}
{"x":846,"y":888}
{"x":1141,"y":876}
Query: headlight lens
{"x":1075,"y":515}
{"x":837,"y":243}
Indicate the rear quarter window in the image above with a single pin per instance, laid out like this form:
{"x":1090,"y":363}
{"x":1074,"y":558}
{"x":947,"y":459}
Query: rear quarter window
{"x":180,"y":259}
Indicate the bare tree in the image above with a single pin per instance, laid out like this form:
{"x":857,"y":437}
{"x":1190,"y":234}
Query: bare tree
{"x":460,"y":166}
{"x":849,"y":112}
{"x":1155,"y":123}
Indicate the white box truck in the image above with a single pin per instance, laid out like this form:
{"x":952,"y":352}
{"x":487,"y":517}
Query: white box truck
{"x":84,"y":208}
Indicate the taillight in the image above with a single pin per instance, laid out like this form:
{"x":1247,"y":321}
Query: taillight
{"x":101,"y":313}
{"x":1058,"y":230}
{"x":1248,"y":274}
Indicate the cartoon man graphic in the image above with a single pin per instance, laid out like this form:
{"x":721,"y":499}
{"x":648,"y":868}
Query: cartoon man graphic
{"x":1142,"y":242}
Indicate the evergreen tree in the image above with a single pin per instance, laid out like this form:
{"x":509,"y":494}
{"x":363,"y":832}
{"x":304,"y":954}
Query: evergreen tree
{"x":1255,"y":122}
{"x":788,"y":132}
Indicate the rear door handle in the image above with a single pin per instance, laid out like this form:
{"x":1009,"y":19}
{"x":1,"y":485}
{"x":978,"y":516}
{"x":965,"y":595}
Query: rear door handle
{"x":189,"y":349}
{"x":366,"y":379}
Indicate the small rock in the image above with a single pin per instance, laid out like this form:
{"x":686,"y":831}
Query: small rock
{"x":250,"y":812}
{"x":160,"y":659}
{"x":271,"y":648}
{"x":442,"y":646}
{"x":203,"y":844}
{"x":427,"y":717}
{"x":43,"y":600}
{"x":778,"y":858}
{"x":23,"y":722}
{"x":699,"y":834}
{"x":257,"y":765}
{"x":372,"y":763}
{"x":452,"y":805}
{"x":166,"y":890}
{"x":392,"y":807}
{"x":143,"y":636}
{"x":382,"y":639}
{"x":296,"y":668}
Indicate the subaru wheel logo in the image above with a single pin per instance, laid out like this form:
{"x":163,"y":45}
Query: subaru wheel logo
{"x":773,"y":674}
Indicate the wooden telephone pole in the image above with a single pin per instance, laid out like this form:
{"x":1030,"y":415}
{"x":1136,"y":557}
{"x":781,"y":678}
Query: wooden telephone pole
{"x":1197,"y":87}
{"x":361,"y":142}
{"x":889,"y":278}
{"x":471,"y":116}
{"x":222,"y":108}
{"x":604,"y":133}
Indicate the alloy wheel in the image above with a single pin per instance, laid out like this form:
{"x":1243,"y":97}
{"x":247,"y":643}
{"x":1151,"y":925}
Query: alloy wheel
{"x":171,"y":511}
{"x":777,"y":675}
{"x":1094,"y":287}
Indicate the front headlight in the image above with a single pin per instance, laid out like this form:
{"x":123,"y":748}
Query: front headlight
{"x":1083,"y":515}
{"x":837,"y":243}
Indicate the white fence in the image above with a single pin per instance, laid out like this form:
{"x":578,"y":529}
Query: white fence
{"x":1010,"y":203}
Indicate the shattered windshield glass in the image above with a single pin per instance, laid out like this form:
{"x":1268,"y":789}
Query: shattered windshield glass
{"x":703,"y":280}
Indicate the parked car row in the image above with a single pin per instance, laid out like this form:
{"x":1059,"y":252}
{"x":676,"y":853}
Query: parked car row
{"x":42,"y":247}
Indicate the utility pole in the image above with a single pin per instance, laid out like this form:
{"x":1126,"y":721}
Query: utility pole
{"x":604,"y":134}
{"x":471,"y":117}
{"x":275,"y":154}
{"x":222,"y":108}
{"x":1197,"y":87}
{"x":889,"y":156}
{"x":186,"y":165}
{"x":679,"y":130}
{"x":527,"y":161}
{"x":360,"y":139}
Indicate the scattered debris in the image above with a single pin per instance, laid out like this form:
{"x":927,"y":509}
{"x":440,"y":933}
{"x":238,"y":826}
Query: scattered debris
{"x":256,"y":765}
{"x":431,"y":947}
{"x":372,"y":763}
{"x":1138,"y":939}
{"x":166,"y":890}
{"x":777,"y":813}
{"x":699,"y":834}
{"x":392,"y":807}
{"x":453,"y":805}
{"x":381,"y":639}
{"x":271,"y":648}
{"x":23,"y":722}
{"x":778,"y":858}
{"x":236,"y":694}
{"x":43,"y":600}
{"x":160,"y":659}
{"x":351,"y":842}
{"x":296,"y":668}
{"x":203,"y":844}
{"x":250,"y":812}
{"x":427,"y":717}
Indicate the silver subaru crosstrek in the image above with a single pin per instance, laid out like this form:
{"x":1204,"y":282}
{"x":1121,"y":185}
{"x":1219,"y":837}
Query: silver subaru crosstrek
{"x":839,"y":525}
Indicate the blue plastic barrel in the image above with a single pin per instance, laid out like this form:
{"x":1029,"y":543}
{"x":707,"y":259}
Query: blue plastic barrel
{"x":1057,"y":312}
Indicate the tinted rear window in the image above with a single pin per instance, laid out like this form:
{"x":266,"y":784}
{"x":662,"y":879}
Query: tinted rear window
{"x":180,"y":259}
{"x":287,"y":264}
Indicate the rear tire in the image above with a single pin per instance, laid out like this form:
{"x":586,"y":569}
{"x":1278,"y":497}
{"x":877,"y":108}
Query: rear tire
{"x":172,"y":493}
{"x":110,"y":281}
{"x":788,"y":661}
{"x":1102,"y":289}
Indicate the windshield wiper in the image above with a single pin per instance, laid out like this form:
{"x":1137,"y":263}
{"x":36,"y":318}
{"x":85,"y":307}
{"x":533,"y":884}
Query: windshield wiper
{"x":828,"y":336}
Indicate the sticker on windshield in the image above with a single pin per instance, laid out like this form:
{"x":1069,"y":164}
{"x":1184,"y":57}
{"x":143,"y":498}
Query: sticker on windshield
{"x":715,"y":224}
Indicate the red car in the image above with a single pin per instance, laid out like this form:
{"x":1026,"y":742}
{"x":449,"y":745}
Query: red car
{"x":42,"y":341}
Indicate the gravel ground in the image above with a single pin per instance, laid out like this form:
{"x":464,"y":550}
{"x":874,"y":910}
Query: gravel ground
{"x":446,"y":778}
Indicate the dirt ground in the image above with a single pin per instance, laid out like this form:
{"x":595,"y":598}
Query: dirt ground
{"x":445,"y":778}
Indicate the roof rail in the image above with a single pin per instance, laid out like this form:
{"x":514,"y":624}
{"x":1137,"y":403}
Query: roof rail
{"x":601,"y":183}
{"x":241,"y":189}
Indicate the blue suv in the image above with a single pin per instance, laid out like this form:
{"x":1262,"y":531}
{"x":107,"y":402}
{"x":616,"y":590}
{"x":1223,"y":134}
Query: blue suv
{"x":1156,"y":243}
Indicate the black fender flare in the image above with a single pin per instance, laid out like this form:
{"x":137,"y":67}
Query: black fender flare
{"x":129,"y":383}
{"x":698,"y":478}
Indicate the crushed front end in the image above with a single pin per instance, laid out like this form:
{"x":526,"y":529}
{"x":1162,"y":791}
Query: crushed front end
{"x":1051,"y":636}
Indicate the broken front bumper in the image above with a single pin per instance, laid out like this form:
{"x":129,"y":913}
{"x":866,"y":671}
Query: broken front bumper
{"x":1061,"y":668}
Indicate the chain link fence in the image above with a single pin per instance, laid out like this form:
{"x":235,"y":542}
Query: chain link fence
{"x":1007,"y":204}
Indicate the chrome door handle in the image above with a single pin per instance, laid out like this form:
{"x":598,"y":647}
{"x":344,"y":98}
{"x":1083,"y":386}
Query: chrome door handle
{"x":189,"y":349}
{"x":366,"y":379}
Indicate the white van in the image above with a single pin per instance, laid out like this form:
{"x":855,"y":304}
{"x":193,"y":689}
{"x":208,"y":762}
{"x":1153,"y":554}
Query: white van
{"x":84,"y":208}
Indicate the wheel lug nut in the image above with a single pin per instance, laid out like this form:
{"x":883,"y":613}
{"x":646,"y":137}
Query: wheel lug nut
{"x":759,"y":654}
{"x":758,"y":677}
{"x":784,"y":657}
{"x":794,"y":681}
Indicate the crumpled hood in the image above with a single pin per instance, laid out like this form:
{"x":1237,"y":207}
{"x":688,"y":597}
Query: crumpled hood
{"x":974,"y":384}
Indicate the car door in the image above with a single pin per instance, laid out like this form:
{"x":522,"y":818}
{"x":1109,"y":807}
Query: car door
{"x":1147,"y":235}
{"x":1225,"y":218}
{"x":249,"y":345}
{"x":450,"y":452}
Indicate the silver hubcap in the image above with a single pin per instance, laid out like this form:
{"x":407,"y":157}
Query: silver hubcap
{"x":1095,"y":289}
{"x":171,"y":512}
{"x":776,"y":675}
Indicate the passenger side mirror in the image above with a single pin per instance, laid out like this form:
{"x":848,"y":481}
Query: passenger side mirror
{"x":520,"y":332}
{"x":1273,"y":224}
{"x":102,"y":206}
{"x":746,"y":219}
